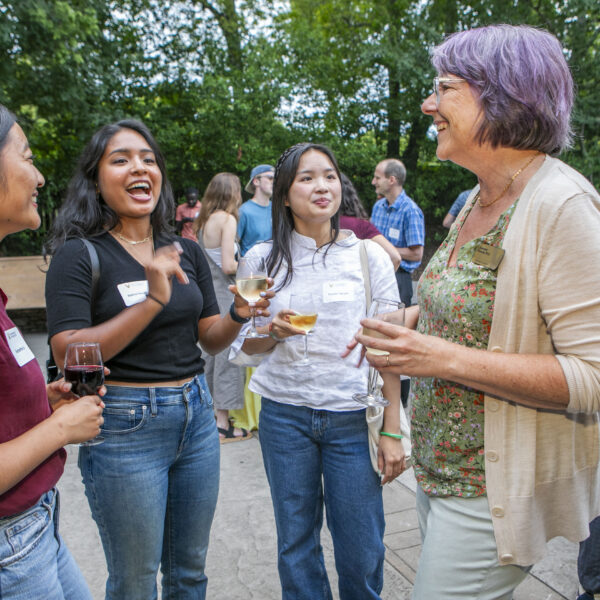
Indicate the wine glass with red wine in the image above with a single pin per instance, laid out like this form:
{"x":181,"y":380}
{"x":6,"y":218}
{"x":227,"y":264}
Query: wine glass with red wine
{"x":84,"y":370}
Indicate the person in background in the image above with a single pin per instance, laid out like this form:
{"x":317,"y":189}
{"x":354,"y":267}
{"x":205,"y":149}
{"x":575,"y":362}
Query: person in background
{"x":588,"y":564}
{"x":455,"y":209}
{"x":354,"y":217}
{"x":313,"y":439}
{"x":400,"y":220}
{"x":215,"y":228}
{"x":36,"y":420}
{"x":254,"y":223}
{"x":504,"y":346}
{"x":187,"y":213}
{"x":152,"y":485}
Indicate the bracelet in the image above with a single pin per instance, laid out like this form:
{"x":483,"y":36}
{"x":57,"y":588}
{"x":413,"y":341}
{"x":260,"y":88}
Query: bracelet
{"x":149,"y":295}
{"x":272,"y":333}
{"x":235,"y":317}
{"x":396,"y":436}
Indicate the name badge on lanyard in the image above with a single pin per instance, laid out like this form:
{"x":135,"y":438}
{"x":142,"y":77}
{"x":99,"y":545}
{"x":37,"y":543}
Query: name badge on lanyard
{"x":18,"y":346}
{"x":488,"y":256}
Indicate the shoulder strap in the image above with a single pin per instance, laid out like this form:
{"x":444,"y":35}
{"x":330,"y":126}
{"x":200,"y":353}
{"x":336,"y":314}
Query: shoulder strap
{"x":95,"y":268}
{"x":364,"y":265}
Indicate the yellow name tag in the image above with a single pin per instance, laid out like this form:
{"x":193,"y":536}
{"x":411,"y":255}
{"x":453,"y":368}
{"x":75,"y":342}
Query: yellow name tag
{"x":488,"y":256}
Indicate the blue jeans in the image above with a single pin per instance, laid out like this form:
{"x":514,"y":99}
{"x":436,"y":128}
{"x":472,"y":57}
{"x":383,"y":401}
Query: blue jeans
{"x":588,"y":563}
{"x":34,"y":561}
{"x":152,"y":487}
{"x":311,"y":457}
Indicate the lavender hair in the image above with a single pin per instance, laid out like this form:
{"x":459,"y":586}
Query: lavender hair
{"x":523,"y":81}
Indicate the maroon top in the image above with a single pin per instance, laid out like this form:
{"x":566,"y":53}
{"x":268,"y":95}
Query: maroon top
{"x":363,"y":229}
{"x":23,"y":404}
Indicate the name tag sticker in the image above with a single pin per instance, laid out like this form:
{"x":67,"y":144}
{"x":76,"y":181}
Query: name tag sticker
{"x":133,"y":292}
{"x":488,"y":256}
{"x":394,"y":233}
{"x":338,"y":291}
{"x":18,"y":346}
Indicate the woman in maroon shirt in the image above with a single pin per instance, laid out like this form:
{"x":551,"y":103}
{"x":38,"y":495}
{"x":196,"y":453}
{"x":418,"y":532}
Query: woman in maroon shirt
{"x":36,"y":420}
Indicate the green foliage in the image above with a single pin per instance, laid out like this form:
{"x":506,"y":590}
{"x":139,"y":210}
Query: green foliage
{"x":227,"y":84}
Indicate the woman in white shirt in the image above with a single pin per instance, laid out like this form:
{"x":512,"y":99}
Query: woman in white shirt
{"x":216,"y":228}
{"x":313,"y":435}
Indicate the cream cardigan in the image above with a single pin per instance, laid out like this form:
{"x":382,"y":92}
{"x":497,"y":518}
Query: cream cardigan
{"x":542,"y":467}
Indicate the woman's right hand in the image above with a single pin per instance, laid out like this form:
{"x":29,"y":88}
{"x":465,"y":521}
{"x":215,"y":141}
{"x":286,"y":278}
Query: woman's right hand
{"x":282,"y":327}
{"x":80,"y":420}
{"x":163,"y":267}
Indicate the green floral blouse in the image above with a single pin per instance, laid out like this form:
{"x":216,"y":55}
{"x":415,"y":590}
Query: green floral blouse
{"x":456,"y":304}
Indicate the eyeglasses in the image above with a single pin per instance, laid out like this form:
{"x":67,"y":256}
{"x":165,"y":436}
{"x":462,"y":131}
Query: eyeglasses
{"x":443,"y":80}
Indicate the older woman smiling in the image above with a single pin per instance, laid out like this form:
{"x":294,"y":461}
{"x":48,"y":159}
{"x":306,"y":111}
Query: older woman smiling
{"x":506,"y":352}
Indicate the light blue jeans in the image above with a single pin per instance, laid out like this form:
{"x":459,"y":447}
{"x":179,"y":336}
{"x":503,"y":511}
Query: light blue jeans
{"x":313,"y":457}
{"x":152,"y":487}
{"x":459,"y":558}
{"x":34,"y":561}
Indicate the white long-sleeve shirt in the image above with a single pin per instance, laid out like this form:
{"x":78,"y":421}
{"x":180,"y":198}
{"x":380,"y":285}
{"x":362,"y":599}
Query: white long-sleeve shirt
{"x":338,"y":289}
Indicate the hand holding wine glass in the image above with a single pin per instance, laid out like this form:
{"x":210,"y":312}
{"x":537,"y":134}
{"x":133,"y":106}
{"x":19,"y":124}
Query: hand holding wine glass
{"x":304,"y":317}
{"x":251,"y":280}
{"x":390,"y":311}
{"x":84,"y":370}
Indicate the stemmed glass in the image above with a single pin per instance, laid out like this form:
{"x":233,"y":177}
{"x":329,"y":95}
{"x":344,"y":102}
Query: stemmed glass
{"x":84,"y":370}
{"x":305,"y":318}
{"x":251,"y":280}
{"x":390,"y":311}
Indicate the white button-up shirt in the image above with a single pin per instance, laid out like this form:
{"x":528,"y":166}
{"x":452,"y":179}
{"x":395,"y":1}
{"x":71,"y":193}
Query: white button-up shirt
{"x":336,"y":283}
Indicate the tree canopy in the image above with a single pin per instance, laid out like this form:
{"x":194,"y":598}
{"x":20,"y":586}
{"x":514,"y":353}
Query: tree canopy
{"x":226,"y":84}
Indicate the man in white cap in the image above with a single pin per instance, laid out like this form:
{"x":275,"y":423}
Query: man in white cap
{"x":255,"y":215}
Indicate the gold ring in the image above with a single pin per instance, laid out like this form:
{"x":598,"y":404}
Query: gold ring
{"x":387,"y":360}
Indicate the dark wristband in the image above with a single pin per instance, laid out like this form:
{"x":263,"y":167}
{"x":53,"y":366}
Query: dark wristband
{"x":235,"y":316}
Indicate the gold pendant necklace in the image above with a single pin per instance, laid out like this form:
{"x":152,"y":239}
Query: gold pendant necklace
{"x":516,"y":174}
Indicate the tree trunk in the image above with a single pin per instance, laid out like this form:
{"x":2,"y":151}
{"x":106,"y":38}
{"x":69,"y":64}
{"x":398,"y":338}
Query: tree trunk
{"x":394,"y":121}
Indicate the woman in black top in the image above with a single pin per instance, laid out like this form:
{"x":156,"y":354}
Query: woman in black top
{"x":152,"y":486}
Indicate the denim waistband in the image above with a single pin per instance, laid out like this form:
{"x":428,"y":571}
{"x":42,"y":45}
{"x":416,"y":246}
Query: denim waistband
{"x":46,"y":499}
{"x":155,"y":395}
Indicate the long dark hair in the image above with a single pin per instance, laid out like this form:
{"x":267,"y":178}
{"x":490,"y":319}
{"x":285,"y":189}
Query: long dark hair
{"x":7,"y":120}
{"x":84,"y":213}
{"x":283,"y":221}
{"x":351,"y":205}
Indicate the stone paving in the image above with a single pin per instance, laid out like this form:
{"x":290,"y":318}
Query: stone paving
{"x":242,"y":555}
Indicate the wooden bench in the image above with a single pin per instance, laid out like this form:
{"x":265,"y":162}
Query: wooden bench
{"x":23,"y":279}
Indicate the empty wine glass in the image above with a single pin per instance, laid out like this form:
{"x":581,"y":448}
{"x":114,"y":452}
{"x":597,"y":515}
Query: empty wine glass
{"x":84,"y":370}
{"x":251,"y":280}
{"x":305,"y":317}
{"x":390,"y":311}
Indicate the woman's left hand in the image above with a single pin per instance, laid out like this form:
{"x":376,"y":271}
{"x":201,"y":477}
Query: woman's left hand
{"x":411,"y":353}
{"x":244,"y":309}
{"x":59,"y":392}
{"x":391,"y":459}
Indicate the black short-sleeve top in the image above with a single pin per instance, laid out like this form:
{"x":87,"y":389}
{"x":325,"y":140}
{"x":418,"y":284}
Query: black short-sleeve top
{"x":168,"y":348}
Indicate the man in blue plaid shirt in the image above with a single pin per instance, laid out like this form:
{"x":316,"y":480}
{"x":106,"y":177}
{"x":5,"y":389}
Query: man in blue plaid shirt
{"x":399,"y":220}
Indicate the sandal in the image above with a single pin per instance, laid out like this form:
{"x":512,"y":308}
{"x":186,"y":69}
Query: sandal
{"x":228,"y":434}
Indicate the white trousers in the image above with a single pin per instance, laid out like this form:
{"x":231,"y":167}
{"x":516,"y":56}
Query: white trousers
{"x":459,"y":556}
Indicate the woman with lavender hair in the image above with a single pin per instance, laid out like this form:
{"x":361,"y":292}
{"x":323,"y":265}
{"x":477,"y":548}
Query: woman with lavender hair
{"x":504,"y":346}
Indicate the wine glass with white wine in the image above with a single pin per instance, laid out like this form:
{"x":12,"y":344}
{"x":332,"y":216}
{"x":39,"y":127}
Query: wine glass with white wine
{"x":251,"y":280}
{"x":305,"y":317}
{"x":390,"y":311}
